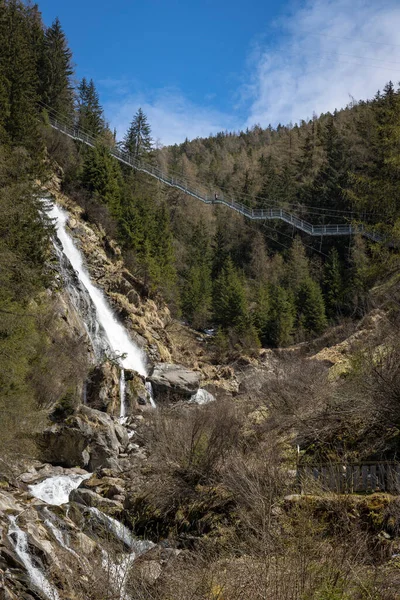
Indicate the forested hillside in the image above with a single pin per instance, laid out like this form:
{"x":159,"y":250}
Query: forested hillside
{"x":257,"y":283}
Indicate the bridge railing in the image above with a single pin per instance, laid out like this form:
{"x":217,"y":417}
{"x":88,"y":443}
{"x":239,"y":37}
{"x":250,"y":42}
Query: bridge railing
{"x":181,"y":184}
{"x":349,"y":478}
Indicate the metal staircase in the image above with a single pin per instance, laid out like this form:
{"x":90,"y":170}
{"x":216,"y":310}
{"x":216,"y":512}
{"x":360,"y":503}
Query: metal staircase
{"x":251,"y":213}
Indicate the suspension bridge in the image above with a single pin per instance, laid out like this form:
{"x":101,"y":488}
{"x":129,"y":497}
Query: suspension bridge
{"x":256,"y":214}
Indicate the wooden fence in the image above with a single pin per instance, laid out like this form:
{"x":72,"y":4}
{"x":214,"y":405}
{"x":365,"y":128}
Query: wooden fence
{"x":350,"y":478}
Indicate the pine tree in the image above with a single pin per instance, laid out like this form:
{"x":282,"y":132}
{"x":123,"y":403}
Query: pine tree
{"x":229,"y":298}
{"x":18,"y":78}
{"x":101,"y":175}
{"x":328,"y":190}
{"x":280,"y":326}
{"x":90,"y":113}
{"x":262,"y":312}
{"x":56,"y":71}
{"x":220,"y":250}
{"x":137,"y":140}
{"x":162,"y":252}
{"x":297,"y":269}
{"x":333,"y":285}
{"x":310,"y":307}
{"x":197,"y":283}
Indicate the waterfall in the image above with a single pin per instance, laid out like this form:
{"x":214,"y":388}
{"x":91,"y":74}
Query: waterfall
{"x":83,"y":305}
{"x":121,"y":532}
{"x":149,"y":389}
{"x":56,"y":490}
{"x":52,"y":523}
{"x":19,"y":540}
{"x":130,"y":356}
{"x":122,"y":389}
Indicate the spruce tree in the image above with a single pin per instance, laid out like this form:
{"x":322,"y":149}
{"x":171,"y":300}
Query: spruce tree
{"x":137,"y":140}
{"x":56,"y":71}
{"x":280,"y":326}
{"x":262,"y":312}
{"x":333,"y":285}
{"x":90,"y":113}
{"x":18,"y":77}
{"x":229,"y":298}
{"x":310,"y":307}
{"x":197,"y":283}
{"x":101,"y":175}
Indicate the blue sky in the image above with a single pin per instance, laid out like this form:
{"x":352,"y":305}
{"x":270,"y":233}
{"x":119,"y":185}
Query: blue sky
{"x":202,"y":66}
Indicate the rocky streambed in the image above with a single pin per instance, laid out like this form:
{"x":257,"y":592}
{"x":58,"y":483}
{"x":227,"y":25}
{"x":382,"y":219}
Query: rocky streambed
{"x":60,"y":538}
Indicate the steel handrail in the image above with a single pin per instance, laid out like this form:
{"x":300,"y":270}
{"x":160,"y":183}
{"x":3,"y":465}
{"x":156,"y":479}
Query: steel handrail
{"x":128,"y":159}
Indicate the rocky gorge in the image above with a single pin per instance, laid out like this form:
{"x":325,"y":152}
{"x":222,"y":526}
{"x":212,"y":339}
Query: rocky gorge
{"x":150,"y":463}
{"x":72,"y":510}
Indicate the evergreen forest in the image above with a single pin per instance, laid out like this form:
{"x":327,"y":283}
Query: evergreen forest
{"x":256,"y":284}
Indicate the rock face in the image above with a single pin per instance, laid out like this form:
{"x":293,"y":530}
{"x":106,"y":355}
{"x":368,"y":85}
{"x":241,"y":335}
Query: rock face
{"x":172,"y":383}
{"x":89,"y":439}
{"x":102,"y":391}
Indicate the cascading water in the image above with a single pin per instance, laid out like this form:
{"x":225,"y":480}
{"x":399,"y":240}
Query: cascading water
{"x":120,"y":343}
{"x":149,"y":389}
{"x":19,"y":540}
{"x":53,"y":524}
{"x":56,"y":490}
{"x":105,"y":332}
{"x":122,"y":390}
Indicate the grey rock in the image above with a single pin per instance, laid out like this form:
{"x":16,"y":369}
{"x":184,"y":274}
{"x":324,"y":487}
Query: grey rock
{"x":172,"y":383}
{"x":90,"y":498}
{"x":87,"y":439}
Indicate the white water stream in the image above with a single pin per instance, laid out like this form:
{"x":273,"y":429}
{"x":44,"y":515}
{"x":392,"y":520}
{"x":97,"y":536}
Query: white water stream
{"x":19,"y":540}
{"x":122,"y":399}
{"x":149,"y":389}
{"x":56,"y":490}
{"x":121,"y":532}
{"x":121,"y":345}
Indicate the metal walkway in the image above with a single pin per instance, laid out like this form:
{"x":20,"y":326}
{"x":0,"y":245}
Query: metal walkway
{"x":251,"y":213}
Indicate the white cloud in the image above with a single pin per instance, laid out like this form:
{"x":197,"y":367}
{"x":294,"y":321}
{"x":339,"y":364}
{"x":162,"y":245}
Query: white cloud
{"x":328,"y":52}
{"x":325,"y":58}
{"x":171,"y":116}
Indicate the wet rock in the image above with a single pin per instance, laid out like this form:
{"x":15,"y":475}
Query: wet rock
{"x":172,"y":383}
{"x":90,"y":498}
{"x":102,"y":391}
{"x":88,"y":438}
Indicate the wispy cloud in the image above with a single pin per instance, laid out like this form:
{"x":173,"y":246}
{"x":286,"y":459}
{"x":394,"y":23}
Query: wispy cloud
{"x":331,"y":50}
{"x":171,"y":115}
{"x":320,"y":57}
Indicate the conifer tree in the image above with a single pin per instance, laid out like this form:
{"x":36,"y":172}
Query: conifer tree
{"x":90,"y":113}
{"x":280,"y":326}
{"x":56,"y":71}
{"x":162,"y":253}
{"x":197,"y":285}
{"x":329,"y":186}
{"x":137,"y":140}
{"x":220,"y":250}
{"x":297,"y":269}
{"x":310,"y":307}
{"x":101,"y":175}
{"x":18,"y":78}
{"x":262,"y":312}
{"x":333,"y":284}
{"x":229,"y":298}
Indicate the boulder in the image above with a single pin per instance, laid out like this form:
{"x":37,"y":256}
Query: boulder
{"x":172,"y":383}
{"x":102,"y":388}
{"x":90,"y":498}
{"x":89,"y":439}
